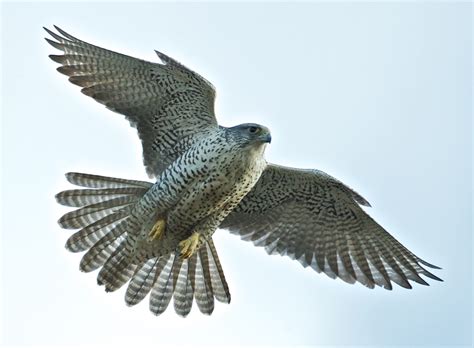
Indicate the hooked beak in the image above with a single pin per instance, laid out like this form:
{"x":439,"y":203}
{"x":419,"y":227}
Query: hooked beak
{"x":267,"y":138}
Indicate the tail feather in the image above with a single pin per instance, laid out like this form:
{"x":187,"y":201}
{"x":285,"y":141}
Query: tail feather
{"x":203,"y":288}
{"x":88,"y":236}
{"x":200,"y":276}
{"x":183,"y":292}
{"x":91,"y":213}
{"x":80,"y":198}
{"x":102,"y":220}
{"x":163,"y":288}
{"x":118,"y":268}
{"x":103,"y":249}
{"x":143,"y":280}
{"x":98,"y":181}
{"x":218,"y":281}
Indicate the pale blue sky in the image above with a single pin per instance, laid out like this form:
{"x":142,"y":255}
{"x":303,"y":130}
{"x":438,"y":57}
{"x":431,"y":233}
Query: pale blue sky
{"x":377,"y":95}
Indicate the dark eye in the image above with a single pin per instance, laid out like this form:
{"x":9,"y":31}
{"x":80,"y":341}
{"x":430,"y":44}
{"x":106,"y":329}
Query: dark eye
{"x":253,"y":129}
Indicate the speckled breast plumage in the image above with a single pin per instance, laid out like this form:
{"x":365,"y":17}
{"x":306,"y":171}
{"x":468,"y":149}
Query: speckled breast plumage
{"x":197,"y":192}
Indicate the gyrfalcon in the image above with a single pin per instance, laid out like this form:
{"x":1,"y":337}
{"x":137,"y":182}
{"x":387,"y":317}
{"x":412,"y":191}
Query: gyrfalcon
{"x":158,"y":236}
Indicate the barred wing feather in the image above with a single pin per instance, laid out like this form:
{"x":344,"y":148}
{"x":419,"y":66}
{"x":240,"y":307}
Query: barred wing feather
{"x":317,"y":220}
{"x":169,"y":104}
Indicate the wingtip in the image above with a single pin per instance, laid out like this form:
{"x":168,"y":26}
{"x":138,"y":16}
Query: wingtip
{"x":405,"y":285}
{"x":161,"y":56}
{"x":432,"y":276}
{"x":361,"y":200}
{"x":64,"y":33}
{"x":55,"y":44}
{"x":48,"y":30}
{"x":65,"y":36}
{"x":430,"y":265}
{"x":59,"y":29}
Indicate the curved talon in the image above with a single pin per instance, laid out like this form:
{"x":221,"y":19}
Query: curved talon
{"x":189,"y":246}
{"x":157,"y":230}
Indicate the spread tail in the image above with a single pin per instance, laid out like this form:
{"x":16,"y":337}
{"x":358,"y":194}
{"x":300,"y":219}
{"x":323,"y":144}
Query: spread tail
{"x":101,"y":217}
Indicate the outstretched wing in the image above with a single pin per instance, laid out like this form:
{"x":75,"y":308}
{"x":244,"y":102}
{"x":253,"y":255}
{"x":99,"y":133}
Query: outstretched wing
{"x":315,"y":219}
{"x":169,"y":104}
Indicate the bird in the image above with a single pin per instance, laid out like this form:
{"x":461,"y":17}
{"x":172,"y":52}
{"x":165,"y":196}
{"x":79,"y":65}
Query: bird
{"x":156,"y":237}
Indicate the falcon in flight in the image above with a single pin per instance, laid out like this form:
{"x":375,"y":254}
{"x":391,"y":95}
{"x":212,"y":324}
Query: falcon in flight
{"x":157,"y":237}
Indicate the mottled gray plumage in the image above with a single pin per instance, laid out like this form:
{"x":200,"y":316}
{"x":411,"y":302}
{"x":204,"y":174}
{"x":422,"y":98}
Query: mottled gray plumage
{"x":317,"y":220}
{"x":158,"y":237}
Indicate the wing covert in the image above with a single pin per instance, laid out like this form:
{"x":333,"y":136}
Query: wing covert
{"x":316,"y":219}
{"x":169,"y":104}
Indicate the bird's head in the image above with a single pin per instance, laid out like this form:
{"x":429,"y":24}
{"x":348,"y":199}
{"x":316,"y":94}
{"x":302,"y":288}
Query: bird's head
{"x":251,"y":134}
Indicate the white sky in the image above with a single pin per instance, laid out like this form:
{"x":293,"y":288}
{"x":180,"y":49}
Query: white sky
{"x":377,"y":95}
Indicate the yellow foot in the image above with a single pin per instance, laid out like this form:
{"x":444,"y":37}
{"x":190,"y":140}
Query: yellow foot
{"x":157,"y":230}
{"x":189,"y":245}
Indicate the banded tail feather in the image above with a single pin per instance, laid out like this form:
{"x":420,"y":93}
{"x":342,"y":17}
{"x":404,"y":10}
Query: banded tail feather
{"x":98,"y":181}
{"x":200,"y":276}
{"x":103,"y":208}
